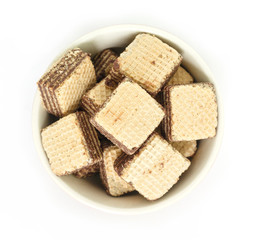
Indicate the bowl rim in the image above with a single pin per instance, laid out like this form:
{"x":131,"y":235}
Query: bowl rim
{"x":188,"y":188}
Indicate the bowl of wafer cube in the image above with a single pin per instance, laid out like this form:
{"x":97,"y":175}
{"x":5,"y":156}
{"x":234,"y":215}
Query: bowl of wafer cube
{"x":127,"y":119}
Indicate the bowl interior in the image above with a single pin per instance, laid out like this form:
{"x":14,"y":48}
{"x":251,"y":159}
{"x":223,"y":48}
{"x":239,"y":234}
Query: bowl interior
{"x":90,"y":191}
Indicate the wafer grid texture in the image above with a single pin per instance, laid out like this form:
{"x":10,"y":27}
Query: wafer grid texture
{"x":180,"y":77}
{"x":114,"y":184}
{"x":63,"y":85}
{"x":71,"y":144}
{"x":70,"y":93}
{"x":149,"y":62}
{"x":88,"y":171}
{"x":154,"y":169}
{"x":186,"y":148}
{"x":191,"y":112}
{"x":128,"y":117}
{"x":95,"y":97}
{"x":103,"y":62}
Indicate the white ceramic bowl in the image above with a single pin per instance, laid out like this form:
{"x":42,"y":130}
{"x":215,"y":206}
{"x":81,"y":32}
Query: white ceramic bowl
{"x":90,"y":192}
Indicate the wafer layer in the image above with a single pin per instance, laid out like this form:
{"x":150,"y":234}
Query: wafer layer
{"x":115,"y":72}
{"x":154,"y":169}
{"x":128,"y":117}
{"x":95,"y":97}
{"x":149,"y":62}
{"x":63,"y":85}
{"x":91,"y":137}
{"x":103,"y":62}
{"x":114,"y":184}
{"x":71,"y":144}
{"x":180,"y":77}
{"x":186,"y":148}
{"x":191,"y":112}
{"x":87,"y":171}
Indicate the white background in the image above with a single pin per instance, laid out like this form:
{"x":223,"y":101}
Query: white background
{"x":223,"y":205}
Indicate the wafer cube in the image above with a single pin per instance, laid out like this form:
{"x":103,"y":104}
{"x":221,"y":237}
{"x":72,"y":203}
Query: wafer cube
{"x":93,"y":99}
{"x":71,"y":144}
{"x":147,"y":61}
{"x":186,"y":148}
{"x":114,"y":184}
{"x":180,"y":77}
{"x":128,"y":117}
{"x":88,"y":171}
{"x":63,"y":85}
{"x":191,"y":112}
{"x":103,"y":62}
{"x":154,"y":169}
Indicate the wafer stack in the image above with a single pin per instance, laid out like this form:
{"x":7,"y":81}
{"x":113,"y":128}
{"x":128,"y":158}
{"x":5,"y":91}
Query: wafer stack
{"x":63,"y":85}
{"x":71,"y":144}
{"x":191,"y":112}
{"x":128,"y":117}
{"x":154,"y":169}
{"x":147,"y":61}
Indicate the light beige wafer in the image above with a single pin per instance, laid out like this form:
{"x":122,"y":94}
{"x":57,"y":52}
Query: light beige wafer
{"x":191,"y":112}
{"x":186,"y":148}
{"x":147,"y":61}
{"x":63,"y":85}
{"x":88,"y":171}
{"x":71,"y":144}
{"x":93,"y":99}
{"x":103,"y":62}
{"x":154,"y":169}
{"x":128,"y":117}
{"x":180,"y":77}
{"x":114,"y":184}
